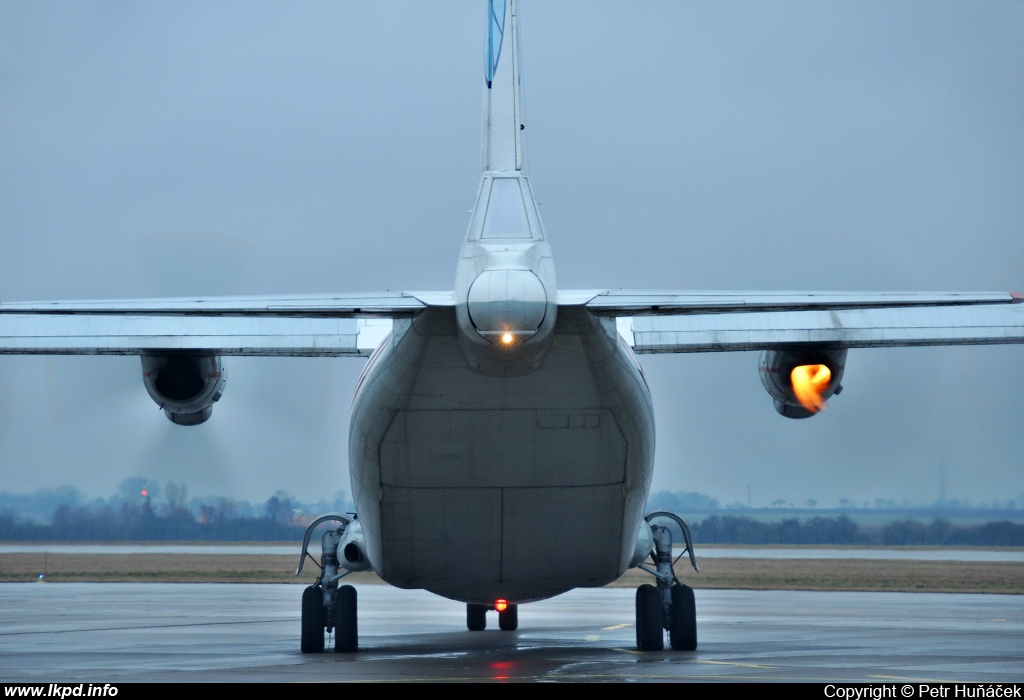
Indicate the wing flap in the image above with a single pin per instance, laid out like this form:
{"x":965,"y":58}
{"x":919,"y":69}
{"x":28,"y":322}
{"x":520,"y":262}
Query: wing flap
{"x":849,"y":328}
{"x":137,"y":334}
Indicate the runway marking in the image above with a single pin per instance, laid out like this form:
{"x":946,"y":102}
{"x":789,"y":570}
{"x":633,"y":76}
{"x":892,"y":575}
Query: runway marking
{"x":705,"y":661}
{"x":732,"y":663}
{"x":570,"y":677}
{"x":915,"y":680}
{"x":592,"y":638}
{"x":144,"y":627}
{"x":616,"y":627}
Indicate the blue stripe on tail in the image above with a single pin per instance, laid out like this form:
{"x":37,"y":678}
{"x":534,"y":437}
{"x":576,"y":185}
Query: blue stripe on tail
{"x":495,"y":34}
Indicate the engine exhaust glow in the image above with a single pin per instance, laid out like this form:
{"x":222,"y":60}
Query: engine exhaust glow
{"x":809,"y":383}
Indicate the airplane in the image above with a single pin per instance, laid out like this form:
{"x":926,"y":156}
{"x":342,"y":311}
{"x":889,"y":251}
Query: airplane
{"x":489,"y":413}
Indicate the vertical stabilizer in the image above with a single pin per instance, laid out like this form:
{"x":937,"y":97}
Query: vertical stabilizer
{"x":503,"y":120}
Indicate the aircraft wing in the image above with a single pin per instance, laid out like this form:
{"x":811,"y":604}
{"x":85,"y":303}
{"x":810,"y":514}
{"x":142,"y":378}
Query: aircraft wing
{"x":652,"y":321}
{"x":294,"y":325}
{"x":668,"y":322}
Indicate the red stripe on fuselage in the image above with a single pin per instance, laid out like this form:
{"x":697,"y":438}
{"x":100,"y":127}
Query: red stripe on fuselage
{"x":369,"y":364}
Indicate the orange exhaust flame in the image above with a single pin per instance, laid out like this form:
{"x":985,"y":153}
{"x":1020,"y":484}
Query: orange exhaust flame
{"x":809,"y":383}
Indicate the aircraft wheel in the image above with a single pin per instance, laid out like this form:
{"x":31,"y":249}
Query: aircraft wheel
{"x":650,"y":635}
{"x":312,"y":620}
{"x":346,"y":630}
{"x":683,"y":633}
{"x":476,"y":617}
{"x":508,"y":619}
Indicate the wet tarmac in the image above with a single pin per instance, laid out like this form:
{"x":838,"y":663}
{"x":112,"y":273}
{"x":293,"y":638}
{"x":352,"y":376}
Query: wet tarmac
{"x":75,"y":632}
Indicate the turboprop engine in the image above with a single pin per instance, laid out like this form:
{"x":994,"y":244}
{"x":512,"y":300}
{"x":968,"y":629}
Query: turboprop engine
{"x":184,"y":386}
{"x":801,"y":381}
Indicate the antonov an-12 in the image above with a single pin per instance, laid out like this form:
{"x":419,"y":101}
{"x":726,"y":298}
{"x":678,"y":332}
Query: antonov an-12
{"x":502,"y":436}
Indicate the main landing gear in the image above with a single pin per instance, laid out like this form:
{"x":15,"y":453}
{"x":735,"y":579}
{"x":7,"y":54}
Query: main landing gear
{"x":669,"y":605}
{"x":508,"y":616}
{"x":326,"y":606}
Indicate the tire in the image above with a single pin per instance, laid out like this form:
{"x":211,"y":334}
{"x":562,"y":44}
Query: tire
{"x":650,"y":633}
{"x":312,"y":620}
{"x":346,"y":628}
{"x":683,"y":632}
{"x":476,"y":617}
{"x":508,"y":619}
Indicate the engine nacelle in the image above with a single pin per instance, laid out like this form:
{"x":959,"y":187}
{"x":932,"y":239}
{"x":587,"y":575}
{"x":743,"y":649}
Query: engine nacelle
{"x":776,"y":370}
{"x":352,"y":548}
{"x":185,"y":386}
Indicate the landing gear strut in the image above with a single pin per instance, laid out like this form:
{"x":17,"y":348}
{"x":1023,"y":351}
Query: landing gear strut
{"x":669,"y":605}
{"x":326,"y":606}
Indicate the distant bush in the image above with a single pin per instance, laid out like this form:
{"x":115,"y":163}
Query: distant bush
{"x":843,"y":531}
{"x":227,"y":520}
{"x":139,"y":523}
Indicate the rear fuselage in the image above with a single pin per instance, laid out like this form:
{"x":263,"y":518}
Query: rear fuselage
{"x":502,"y":446}
{"x":480,"y":487}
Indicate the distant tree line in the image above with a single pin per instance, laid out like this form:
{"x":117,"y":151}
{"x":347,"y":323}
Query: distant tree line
{"x":142,"y":523}
{"x":727,"y":529}
{"x":138,"y":513}
{"x":138,"y":523}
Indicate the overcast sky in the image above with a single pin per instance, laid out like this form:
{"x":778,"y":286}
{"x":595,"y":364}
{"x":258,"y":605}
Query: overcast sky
{"x":154,"y":149}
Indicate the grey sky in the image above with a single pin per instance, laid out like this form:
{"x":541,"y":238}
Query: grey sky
{"x":151,"y":149}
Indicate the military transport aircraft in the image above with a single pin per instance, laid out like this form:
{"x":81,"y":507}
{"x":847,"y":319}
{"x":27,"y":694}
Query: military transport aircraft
{"x":502,"y":434}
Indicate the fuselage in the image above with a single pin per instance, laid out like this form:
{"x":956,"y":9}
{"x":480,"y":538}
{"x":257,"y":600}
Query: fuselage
{"x":502,"y":446}
{"x":480,"y":487}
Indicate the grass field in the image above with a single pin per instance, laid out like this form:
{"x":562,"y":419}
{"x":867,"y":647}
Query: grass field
{"x":754,"y":574}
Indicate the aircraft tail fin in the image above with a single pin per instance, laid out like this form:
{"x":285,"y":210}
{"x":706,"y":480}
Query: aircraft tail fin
{"x":503,"y":119}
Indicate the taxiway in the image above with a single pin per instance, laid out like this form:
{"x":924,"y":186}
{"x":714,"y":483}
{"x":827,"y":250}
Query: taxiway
{"x":77,"y":632}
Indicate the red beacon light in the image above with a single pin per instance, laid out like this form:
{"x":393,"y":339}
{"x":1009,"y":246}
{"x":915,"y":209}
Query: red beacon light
{"x":500,"y":604}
